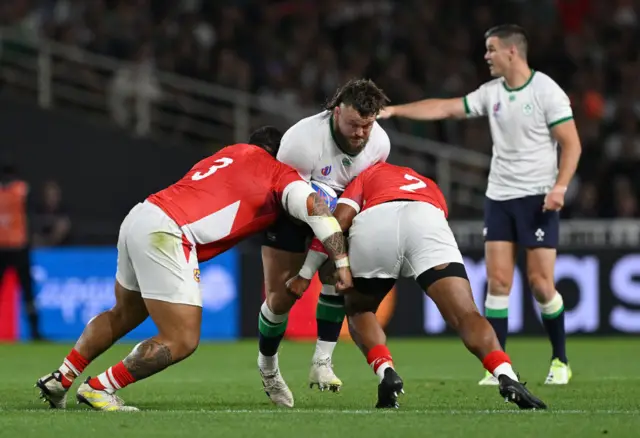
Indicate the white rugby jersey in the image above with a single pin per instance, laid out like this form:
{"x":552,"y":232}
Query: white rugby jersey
{"x":525,"y":157}
{"x":309,"y":147}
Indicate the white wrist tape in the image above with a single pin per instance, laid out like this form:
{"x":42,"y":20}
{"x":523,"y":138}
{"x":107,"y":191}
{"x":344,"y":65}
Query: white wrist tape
{"x":324,"y":226}
{"x":312,"y":263}
{"x":342,"y":263}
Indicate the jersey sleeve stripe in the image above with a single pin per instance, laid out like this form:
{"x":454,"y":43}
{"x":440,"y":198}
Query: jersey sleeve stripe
{"x":467,"y":111}
{"x":351,"y":203}
{"x":559,"y":121}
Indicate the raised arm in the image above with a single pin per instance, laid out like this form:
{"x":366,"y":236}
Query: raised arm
{"x":427,"y":109}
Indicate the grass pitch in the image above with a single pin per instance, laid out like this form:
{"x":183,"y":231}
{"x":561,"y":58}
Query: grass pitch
{"x":217,"y":392}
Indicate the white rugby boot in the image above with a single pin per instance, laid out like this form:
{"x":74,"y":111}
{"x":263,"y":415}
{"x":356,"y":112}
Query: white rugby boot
{"x":322,"y":375}
{"x":276,"y":388}
{"x":101,"y":399}
{"x":52,"y":391}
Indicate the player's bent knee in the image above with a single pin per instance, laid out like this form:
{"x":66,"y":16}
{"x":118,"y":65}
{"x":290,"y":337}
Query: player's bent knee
{"x":498,"y":287}
{"x":184,"y":345}
{"x":281,"y":302}
{"x":542,"y":287}
{"x":190,"y":344}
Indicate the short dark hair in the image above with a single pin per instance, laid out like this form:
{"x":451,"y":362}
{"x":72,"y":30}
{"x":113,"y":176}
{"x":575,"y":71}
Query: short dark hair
{"x":513,"y":34}
{"x":361,"y":94}
{"x":268,"y":138}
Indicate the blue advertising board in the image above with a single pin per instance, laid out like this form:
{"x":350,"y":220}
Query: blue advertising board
{"x":74,"y":284}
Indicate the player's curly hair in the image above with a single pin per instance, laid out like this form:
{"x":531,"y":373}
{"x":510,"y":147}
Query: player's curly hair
{"x":361,"y":94}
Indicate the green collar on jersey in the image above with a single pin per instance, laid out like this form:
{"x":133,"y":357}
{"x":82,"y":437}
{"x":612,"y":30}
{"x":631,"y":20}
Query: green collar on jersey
{"x":506,"y":87}
{"x":335,"y":138}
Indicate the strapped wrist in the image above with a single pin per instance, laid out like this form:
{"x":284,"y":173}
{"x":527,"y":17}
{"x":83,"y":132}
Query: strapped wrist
{"x":342,"y":263}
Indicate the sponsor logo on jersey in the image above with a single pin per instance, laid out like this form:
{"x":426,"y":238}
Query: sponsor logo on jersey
{"x":527,"y":109}
{"x":325,"y":170}
{"x":496,"y":108}
{"x":346,"y":162}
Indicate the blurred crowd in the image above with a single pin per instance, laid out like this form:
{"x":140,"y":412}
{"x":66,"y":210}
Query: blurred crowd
{"x":294,"y":54}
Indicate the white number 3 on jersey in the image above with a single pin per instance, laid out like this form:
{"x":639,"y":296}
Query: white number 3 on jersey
{"x":415,"y":186}
{"x":218,"y":164}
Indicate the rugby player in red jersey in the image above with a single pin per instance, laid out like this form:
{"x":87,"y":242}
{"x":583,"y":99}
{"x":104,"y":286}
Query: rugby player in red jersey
{"x":397,"y":223}
{"x":235,"y":193}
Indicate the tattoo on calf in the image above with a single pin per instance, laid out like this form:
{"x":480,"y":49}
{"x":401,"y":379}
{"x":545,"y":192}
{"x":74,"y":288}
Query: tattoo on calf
{"x":148,"y":358}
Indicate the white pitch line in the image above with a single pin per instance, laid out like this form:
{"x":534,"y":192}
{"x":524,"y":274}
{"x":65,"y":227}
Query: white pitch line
{"x":400,"y":411}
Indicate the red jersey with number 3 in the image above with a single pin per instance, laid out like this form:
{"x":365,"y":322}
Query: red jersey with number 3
{"x":385,"y":182}
{"x":226,"y":197}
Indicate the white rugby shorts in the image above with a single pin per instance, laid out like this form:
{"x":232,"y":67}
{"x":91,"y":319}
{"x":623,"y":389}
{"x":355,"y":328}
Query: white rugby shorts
{"x":400,"y":239}
{"x":152,"y":258}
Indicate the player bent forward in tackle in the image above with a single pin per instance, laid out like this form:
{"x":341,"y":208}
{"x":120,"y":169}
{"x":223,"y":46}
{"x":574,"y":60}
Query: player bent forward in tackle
{"x":397,"y":226}
{"x":223,"y":199}
{"x":529,"y":115}
{"x":331,"y":147}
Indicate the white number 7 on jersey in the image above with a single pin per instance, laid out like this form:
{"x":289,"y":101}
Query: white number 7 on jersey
{"x":222,"y":162}
{"x":415,"y":186}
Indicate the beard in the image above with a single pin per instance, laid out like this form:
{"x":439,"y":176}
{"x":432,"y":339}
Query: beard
{"x":345,"y":144}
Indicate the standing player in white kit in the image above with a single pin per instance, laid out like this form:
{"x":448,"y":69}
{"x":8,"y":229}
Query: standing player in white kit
{"x":331,"y":147}
{"x":529,"y":115}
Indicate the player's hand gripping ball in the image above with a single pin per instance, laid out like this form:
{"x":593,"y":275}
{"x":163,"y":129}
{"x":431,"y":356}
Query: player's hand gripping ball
{"x":326,"y":193}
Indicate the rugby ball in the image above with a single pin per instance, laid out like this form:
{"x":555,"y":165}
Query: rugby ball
{"x":328,"y":195}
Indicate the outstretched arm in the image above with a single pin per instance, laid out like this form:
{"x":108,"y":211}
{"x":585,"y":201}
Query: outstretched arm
{"x":427,"y":109}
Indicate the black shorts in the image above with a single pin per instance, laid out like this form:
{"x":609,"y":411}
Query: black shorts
{"x":371,"y":291}
{"x":521,"y":221}
{"x":288,"y":235}
{"x":380,"y":287}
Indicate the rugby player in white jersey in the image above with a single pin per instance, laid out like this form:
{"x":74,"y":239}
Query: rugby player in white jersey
{"x":331,"y":147}
{"x":529,"y":115}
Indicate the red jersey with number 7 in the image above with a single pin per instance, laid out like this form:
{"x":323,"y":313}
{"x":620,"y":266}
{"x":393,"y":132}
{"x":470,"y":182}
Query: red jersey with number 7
{"x":227,"y":197}
{"x":385,"y":182}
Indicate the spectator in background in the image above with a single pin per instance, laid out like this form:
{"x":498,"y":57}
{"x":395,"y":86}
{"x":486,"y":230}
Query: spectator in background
{"x":51,"y":223}
{"x":133,"y":91}
{"x":14,"y":238}
{"x":290,"y":52}
{"x":626,"y":201}
{"x":586,"y":204}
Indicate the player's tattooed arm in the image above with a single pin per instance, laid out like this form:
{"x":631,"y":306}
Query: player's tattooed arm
{"x":344,"y":214}
{"x":335,"y":244}
{"x":148,"y":358}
